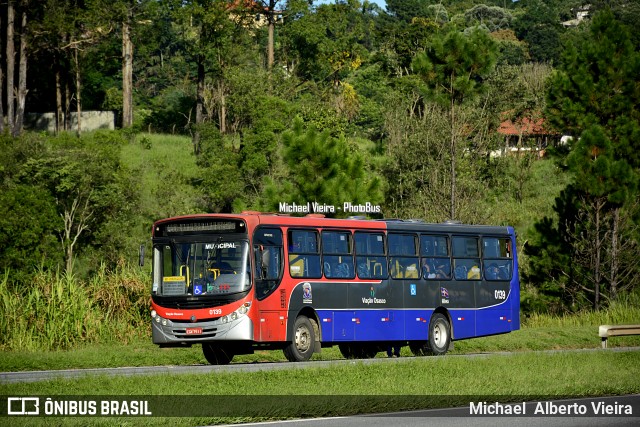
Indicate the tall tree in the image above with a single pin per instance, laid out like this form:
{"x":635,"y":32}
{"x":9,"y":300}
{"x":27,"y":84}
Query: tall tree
{"x":51,"y":47}
{"x":210,"y":29}
{"x":270,"y":10}
{"x":321,"y":169}
{"x":127,"y":66}
{"x":453,"y":66}
{"x":594,"y":96}
{"x":10,"y":65}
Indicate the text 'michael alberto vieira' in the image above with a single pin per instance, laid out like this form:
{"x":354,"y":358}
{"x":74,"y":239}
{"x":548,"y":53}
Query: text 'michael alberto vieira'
{"x":549,"y":408}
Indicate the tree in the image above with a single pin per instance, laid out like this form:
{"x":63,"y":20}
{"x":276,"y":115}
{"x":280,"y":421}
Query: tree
{"x":492,"y":18}
{"x":540,"y":27}
{"x":80,"y":175}
{"x":453,"y":67}
{"x":406,"y":10}
{"x":269,"y":9}
{"x":221,"y":182}
{"x":594,"y":95}
{"x":321,"y":169}
{"x":211,"y":30}
{"x":127,"y":67}
{"x":16,"y":96}
{"x":329,"y":44}
{"x":52,"y":50}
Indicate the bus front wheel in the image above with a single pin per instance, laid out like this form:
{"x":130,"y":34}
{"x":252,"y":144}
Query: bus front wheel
{"x":217,"y":354}
{"x":439,"y":335}
{"x":304,"y":339}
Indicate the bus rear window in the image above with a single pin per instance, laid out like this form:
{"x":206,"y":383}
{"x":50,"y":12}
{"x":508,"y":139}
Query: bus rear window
{"x":497,"y":254}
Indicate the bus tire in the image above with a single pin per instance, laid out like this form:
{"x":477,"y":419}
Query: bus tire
{"x":217,"y":354}
{"x":439,"y":335}
{"x":303,"y":343}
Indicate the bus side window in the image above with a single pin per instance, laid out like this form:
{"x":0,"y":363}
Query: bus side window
{"x":466,"y":258}
{"x":403,"y":258}
{"x":371,"y":260}
{"x":436,"y":264}
{"x":304,"y":254}
{"x":337,"y":254}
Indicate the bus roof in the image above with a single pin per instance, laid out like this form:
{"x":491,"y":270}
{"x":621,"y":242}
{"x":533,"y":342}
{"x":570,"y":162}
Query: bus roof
{"x":255,"y":219}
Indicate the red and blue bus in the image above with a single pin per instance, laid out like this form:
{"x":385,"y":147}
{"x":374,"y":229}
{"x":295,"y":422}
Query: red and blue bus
{"x":235,"y":283}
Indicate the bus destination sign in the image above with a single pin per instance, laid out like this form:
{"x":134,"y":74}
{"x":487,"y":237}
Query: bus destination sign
{"x":197,"y":227}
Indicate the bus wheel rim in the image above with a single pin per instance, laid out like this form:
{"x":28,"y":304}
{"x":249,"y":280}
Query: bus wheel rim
{"x":439,"y":335}
{"x":303,"y":341}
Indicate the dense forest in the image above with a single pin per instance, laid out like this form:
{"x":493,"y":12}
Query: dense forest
{"x":295,"y":101}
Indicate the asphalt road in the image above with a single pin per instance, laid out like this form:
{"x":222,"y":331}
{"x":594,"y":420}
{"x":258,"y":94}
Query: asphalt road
{"x":459,"y":417}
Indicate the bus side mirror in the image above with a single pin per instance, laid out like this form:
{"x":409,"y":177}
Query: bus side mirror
{"x":141,"y":256}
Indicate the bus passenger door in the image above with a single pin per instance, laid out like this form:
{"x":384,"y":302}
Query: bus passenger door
{"x":344,"y":324}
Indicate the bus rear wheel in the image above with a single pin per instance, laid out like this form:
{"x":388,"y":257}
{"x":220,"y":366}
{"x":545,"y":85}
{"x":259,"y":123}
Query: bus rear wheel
{"x":217,"y":354}
{"x":304,"y":340}
{"x":439,"y":335}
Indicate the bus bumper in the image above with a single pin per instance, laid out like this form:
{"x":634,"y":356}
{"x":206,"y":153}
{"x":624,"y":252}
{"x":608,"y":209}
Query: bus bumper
{"x":186,"y":333}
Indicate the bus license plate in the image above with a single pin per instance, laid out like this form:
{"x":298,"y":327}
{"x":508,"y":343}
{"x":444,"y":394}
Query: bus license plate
{"x":194,"y":331}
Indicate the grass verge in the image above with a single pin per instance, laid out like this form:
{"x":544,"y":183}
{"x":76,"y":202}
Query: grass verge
{"x":144,"y":353}
{"x":424,"y":383}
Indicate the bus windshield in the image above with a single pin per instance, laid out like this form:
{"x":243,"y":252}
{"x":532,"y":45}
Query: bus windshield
{"x":208,"y":268}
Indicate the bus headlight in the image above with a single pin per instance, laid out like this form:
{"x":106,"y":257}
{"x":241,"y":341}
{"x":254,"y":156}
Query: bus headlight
{"x":153,"y":313}
{"x":241,"y":311}
{"x":244,"y":308}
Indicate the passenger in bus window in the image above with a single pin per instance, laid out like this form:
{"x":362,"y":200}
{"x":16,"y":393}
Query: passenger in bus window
{"x":474,"y":273}
{"x":492,"y":272}
{"x":504,"y":272}
{"x":363,"y":271}
{"x":443,"y":268}
{"x":428,"y":269}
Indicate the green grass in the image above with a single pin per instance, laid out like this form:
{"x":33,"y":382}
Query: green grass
{"x":142,"y":352}
{"x":165,"y":165}
{"x":418,"y":383}
{"x":538,"y":332}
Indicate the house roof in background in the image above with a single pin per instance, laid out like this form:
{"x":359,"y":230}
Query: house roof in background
{"x":525,"y":126}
